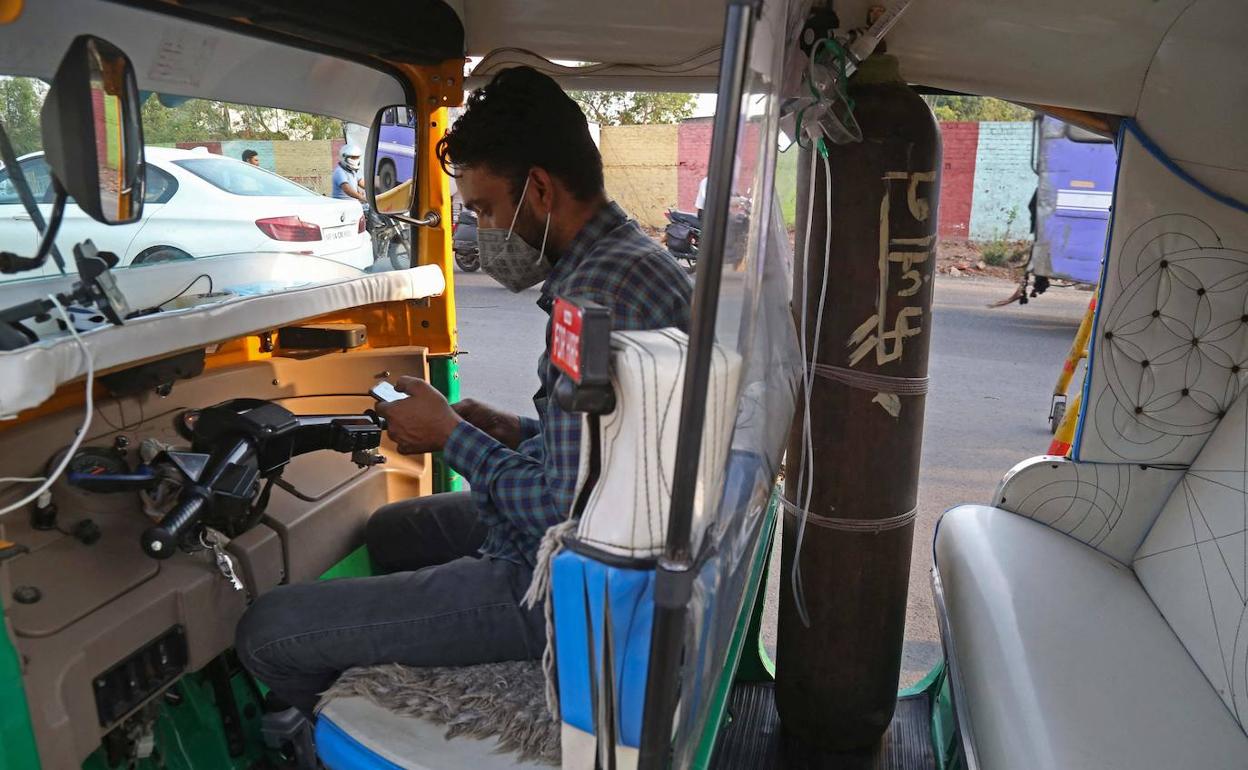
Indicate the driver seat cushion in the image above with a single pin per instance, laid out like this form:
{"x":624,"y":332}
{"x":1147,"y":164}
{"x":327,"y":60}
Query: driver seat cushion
{"x":1061,"y":660}
{"x":353,"y":733}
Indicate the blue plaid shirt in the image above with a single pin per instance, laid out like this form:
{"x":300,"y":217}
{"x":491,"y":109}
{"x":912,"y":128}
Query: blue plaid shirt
{"x":521,"y":493}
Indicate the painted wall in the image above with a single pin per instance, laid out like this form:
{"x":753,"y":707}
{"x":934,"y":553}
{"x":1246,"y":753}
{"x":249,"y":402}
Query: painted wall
{"x":957,"y":177}
{"x":309,"y":163}
{"x":1004,"y":182}
{"x":986,"y":179}
{"x":640,"y":165}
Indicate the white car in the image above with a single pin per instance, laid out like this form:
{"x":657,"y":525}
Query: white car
{"x":197,"y":204}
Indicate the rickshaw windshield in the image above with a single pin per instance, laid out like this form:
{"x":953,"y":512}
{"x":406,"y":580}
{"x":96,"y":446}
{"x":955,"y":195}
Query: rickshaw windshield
{"x":222,"y":178}
{"x":242,"y":141}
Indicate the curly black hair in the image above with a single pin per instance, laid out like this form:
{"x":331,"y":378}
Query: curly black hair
{"x":522,"y":119}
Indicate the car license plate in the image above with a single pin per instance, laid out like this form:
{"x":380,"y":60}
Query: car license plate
{"x":338,"y":233}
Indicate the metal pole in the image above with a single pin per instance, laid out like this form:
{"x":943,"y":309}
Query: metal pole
{"x":674,"y":579}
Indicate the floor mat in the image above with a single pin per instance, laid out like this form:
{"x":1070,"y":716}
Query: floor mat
{"x":753,"y":740}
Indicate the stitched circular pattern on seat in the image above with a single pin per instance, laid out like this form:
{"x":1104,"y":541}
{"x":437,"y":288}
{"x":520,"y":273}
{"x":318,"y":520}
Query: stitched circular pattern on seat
{"x":1174,"y":339}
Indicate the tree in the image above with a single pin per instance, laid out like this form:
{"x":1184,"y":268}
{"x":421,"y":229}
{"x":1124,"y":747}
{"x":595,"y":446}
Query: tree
{"x":192,"y":120}
{"x":630,"y":108}
{"x":949,"y":107}
{"x":201,"y":120}
{"x":307,"y":126}
{"x":21,"y":99}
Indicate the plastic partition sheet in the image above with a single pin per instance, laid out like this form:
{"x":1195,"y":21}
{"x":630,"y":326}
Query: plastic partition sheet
{"x":754,"y":319}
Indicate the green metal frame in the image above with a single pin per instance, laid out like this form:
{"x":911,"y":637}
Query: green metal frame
{"x":189,"y":735}
{"x":17,"y":738}
{"x":757,"y":664}
{"x":444,"y":375}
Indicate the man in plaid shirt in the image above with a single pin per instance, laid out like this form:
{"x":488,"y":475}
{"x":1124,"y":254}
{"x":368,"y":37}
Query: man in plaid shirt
{"x":457,"y":564}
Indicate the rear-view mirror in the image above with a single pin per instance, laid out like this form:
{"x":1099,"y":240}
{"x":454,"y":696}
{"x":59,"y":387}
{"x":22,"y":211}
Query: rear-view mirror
{"x":390,"y":161}
{"x":92,"y":134}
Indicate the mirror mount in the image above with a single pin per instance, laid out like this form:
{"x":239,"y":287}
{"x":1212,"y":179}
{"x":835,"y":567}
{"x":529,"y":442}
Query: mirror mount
{"x":430,"y":219}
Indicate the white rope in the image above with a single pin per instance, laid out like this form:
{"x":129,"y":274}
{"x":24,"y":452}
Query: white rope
{"x":871,"y":381}
{"x":872,"y":526}
{"x":540,"y":591}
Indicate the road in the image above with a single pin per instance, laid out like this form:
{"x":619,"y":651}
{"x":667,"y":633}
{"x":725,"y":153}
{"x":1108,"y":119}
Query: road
{"x":992,"y":372}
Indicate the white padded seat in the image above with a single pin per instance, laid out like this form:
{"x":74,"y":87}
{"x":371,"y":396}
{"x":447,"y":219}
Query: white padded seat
{"x":1061,"y":660}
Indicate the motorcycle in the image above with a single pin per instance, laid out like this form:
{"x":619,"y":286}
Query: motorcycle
{"x":464,"y":242}
{"x":683,"y":235}
{"x":391,"y":243}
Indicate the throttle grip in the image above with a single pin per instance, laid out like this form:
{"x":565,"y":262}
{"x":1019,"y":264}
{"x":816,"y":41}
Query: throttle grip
{"x":161,"y":541}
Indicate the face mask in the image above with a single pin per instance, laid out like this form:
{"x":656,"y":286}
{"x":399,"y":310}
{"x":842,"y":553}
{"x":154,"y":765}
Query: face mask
{"x":351,"y":164}
{"x":506,"y":257}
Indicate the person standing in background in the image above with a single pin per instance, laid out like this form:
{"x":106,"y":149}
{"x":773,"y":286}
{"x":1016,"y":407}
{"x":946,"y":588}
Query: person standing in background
{"x":251,"y":156}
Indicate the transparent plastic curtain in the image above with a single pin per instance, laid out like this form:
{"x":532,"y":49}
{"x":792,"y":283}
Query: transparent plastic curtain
{"x":755,"y":319}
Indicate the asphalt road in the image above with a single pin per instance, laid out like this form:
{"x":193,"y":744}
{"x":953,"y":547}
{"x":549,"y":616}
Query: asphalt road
{"x":992,"y":373}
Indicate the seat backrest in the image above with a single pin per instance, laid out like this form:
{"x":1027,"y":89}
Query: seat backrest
{"x":626,"y":514}
{"x":1192,"y":563}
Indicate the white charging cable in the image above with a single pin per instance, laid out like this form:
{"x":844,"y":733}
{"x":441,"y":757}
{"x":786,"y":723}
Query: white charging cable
{"x":82,"y":431}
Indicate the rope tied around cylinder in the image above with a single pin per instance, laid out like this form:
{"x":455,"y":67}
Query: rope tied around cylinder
{"x":868,"y":526}
{"x":871,"y":381}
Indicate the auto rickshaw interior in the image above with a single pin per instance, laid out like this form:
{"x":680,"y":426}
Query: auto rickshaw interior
{"x":165,"y":461}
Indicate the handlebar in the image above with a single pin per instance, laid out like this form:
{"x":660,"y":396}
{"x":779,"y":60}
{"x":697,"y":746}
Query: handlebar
{"x":161,"y":541}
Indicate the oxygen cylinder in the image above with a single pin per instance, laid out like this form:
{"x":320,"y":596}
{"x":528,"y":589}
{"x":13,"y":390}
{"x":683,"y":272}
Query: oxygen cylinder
{"x":837,"y":679}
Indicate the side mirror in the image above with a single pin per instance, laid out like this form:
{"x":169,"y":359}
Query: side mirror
{"x":95,"y":92}
{"x":390,"y":165}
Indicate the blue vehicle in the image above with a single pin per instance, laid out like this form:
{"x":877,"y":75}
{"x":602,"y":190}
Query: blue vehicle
{"x":1075,"y":189}
{"x":396,"y":154}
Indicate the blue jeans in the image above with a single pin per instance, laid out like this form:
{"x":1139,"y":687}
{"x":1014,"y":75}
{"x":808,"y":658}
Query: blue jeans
{"x":441,"y":605}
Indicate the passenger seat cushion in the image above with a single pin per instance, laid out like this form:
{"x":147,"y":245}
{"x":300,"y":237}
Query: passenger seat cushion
{"x":1192,"y":562}
{"x":1062,"y":659}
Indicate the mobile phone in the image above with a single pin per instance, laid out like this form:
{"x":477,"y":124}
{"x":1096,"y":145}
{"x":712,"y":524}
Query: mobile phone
{"x":385,"y":392}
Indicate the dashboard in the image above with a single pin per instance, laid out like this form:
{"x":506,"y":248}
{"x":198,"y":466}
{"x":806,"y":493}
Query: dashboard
{"x":100,"y":626}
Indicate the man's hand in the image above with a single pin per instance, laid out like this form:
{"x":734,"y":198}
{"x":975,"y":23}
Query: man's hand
{"x":503,"y":426}
{"x":423,"y":421}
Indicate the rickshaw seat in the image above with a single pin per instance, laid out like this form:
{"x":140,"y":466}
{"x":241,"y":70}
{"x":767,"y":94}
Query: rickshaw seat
{"x":1090,"y":627}
{"x":1061,"y":659}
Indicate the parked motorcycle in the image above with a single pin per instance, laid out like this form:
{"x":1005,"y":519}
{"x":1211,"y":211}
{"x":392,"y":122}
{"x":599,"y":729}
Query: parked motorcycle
{"x":683,"y":235}
{"x":464,"y":242}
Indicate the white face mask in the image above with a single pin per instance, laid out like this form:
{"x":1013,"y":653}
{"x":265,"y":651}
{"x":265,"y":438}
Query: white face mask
{"x":351,"y":163}
{"x":510,"y":260}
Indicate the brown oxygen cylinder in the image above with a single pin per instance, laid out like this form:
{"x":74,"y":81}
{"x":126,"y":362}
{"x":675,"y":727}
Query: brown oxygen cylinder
{"x":836,"y":683}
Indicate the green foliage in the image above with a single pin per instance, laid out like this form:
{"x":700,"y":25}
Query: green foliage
{"x":201,"y":120}
{"x":195,"y":120}
{"x":632,"y":108}
{"x":976,"y":108}
{"x":1000,"y":252}
{"x":20,"y":102}
{"x":786,"y":183}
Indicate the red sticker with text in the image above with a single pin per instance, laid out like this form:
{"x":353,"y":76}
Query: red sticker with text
{"x":565,"y":339}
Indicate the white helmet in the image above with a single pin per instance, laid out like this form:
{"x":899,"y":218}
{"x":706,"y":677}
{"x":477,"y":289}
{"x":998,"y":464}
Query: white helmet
{"x":351,"y":156}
